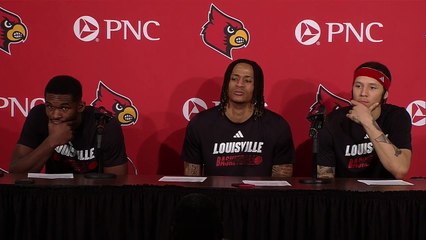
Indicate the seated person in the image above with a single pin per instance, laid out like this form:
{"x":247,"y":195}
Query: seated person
{"x":370,"y":139}
{"x":60,"y":135}
{"x":239,"y":137}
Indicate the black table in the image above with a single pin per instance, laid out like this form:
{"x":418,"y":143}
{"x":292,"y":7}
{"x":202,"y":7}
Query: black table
{"x":140,"y":207}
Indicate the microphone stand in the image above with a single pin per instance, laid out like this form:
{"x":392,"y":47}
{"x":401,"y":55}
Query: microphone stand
{"x":316,"y":125}
{"x":101,"y":121}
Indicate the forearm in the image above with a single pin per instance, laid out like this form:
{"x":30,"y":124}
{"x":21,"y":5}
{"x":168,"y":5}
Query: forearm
{"x":191,"y":169}
{"x":325,"y":172}
{"x":282,"y":170}
{"x":117,"y":170}
{"x":395,"y":160}
{"x":25,"y":159}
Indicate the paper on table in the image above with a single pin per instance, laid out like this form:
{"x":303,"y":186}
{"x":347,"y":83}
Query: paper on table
{"x":386,"y":182}
{"x":50,"y":176}
{"x":269,"y":183}
{"x":182,"y":179}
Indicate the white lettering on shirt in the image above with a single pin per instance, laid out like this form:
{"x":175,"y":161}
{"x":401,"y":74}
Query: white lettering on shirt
{"x":237,"y":147}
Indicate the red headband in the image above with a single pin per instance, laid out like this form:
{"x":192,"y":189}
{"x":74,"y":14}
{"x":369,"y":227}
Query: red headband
{"x":373,"y":73}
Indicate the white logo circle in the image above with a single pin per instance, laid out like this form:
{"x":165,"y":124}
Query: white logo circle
{"x":193,"y":106}
{"x":307,"y":32}
{"x":86,"y":28}
{"x":417,"y":111}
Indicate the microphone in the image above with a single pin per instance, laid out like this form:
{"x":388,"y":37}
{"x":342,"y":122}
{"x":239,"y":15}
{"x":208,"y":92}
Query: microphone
{"x":318,"y":113}
{"x":316,"y":117}
{"x":102,"y":117}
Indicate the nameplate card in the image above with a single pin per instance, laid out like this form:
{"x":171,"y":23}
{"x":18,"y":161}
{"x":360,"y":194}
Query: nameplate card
{"x":182,"y":179}
{"x":386,"y":182}
{"x":51,"y":176}
{"x":268,"y":183}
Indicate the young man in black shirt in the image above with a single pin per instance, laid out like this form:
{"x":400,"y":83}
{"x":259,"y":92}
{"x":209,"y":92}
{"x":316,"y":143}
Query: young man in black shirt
{"x":60,"y":135}
{"x":239,"y":137}
{"x":370,"y":139}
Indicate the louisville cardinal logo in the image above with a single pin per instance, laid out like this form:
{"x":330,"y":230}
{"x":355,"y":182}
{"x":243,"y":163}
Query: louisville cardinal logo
{"x":224,"y":33}
{"x":12,"y":30}
{"x":328,"y":100}
{"x":121,"y":106}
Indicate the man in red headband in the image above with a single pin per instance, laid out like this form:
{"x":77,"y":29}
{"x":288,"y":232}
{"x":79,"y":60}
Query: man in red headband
{"x":370,"y":139}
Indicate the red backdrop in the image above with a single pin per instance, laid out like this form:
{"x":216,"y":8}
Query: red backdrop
{"x":152,"y":55}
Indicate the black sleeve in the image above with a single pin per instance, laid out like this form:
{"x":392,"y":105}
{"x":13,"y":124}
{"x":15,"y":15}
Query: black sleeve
{"x":113,"y":145}
{"x":191,"y":150}
{"x":326,"y":155}
{"x":35,"y":128}
{"x":284,"y":152}
{"x":400,"y":131}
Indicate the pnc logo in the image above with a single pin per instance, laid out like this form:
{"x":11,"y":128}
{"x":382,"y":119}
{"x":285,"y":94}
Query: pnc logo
{"x":308,"y":32}
{"x":193,"y":106}
{"x":88,"y":29}
{"x":417,"y":111}
{"x":19,"y":105}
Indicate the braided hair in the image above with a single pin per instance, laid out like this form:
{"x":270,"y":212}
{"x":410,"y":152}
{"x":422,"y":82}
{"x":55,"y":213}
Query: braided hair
{"x":258,"y":100}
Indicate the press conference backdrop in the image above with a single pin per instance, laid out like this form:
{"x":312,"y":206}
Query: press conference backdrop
{"x":156,"y":64}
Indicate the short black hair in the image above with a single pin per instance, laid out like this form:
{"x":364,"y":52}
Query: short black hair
{"x":377,"y":66}
{"x":63,"y":84}
{"x":258,"y":98}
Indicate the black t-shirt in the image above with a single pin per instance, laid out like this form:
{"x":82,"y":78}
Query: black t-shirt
{"x":79,"y":155}
{"x":244,"y":149}
{"x":345,"y":145}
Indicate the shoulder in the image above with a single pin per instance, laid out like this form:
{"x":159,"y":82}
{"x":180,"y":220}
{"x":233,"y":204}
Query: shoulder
{"x":338,"y":114}
{"x":271,"y":117}
{"x":393,"y":111}
{"x":207,"y":115}
{"x":38,"y":109}
{"x":89,"y":110}
{"x":88,"y":115}
{"x":37,"y":113}
{"x":91,"y":116}
{"x":390,"y":108}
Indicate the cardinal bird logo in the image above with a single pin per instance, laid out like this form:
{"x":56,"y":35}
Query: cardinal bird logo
{"x":12,"y":30}
{"x":329,"y":100}
{"x":224,"y":33}
{"x":121,"y":106}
